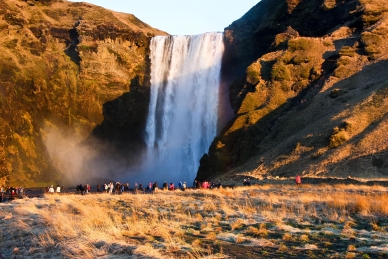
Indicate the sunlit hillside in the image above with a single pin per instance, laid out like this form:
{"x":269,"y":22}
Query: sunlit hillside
{"x":313,"y":97}
{"x":66,"y":70}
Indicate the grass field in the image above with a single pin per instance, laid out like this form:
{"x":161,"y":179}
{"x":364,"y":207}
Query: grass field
{"x":262,"y":221}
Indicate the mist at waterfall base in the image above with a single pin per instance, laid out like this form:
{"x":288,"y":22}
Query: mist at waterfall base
{"x":183,"y":109}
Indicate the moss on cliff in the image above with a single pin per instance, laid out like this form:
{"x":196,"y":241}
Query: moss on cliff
{"x":61,"y":63}
{"x":310,"y":67}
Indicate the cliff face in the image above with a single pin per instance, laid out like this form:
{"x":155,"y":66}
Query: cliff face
{"x":308,"y":86}
{"x":67,"y":70}
{"x":309,"y":91}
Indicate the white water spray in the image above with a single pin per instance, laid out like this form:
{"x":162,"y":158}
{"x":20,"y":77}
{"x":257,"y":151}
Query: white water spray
{"x":182,"y":117}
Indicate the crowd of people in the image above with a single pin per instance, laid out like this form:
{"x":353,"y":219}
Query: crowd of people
{"x":12,"y":190}
{"x":119,"y":188}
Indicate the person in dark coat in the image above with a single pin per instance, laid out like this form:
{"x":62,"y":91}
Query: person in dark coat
{"x":117,"y":188}
{"x":155,"y":186}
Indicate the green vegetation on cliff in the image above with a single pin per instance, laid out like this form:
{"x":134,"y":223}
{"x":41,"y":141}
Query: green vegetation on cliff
{"x":308,"y":88}
{"x":61,"y":63}
{"x":313,"y":97}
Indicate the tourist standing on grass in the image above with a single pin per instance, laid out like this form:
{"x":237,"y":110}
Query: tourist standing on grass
{"x":298,"y":180}
{"x":51,"y":189}
{"x":111,"y":186}
{"x":98,"y":187}
{"x":81,"y":189}
{"x":155,"y":187}
{"x":2,"y":193}
{"x":117,"y":188}
{"x":58,"y":189}
{"x":205,"y":185}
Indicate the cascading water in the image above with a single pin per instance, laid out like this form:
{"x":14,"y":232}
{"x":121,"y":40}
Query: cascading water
{"x":182,"y":117}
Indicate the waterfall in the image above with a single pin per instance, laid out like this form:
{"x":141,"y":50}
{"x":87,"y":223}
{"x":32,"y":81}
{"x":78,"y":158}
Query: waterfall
{"x":182,"y":117}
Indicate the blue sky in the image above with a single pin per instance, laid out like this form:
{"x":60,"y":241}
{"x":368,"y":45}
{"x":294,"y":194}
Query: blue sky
{"x":182,"y":17}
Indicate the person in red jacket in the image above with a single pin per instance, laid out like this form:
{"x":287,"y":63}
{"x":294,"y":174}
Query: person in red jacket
{"x":298,"y":180}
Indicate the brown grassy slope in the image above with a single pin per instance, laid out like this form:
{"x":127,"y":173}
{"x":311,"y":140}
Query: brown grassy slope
{"x":60,"y":62}
{"x":312,"y":105}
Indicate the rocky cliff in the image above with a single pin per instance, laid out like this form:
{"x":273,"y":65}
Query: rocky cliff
{"x":309,"y":90}
{"x":73,"y":76}
{"x":308,"y":87}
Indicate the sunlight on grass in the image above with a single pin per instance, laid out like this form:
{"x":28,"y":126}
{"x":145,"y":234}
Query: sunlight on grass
{"x":169,"y":224}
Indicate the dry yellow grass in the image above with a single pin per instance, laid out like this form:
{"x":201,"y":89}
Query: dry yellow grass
{"x":237,"y":224}
{"x":174,"y":224}
{"x":287,"y":237}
